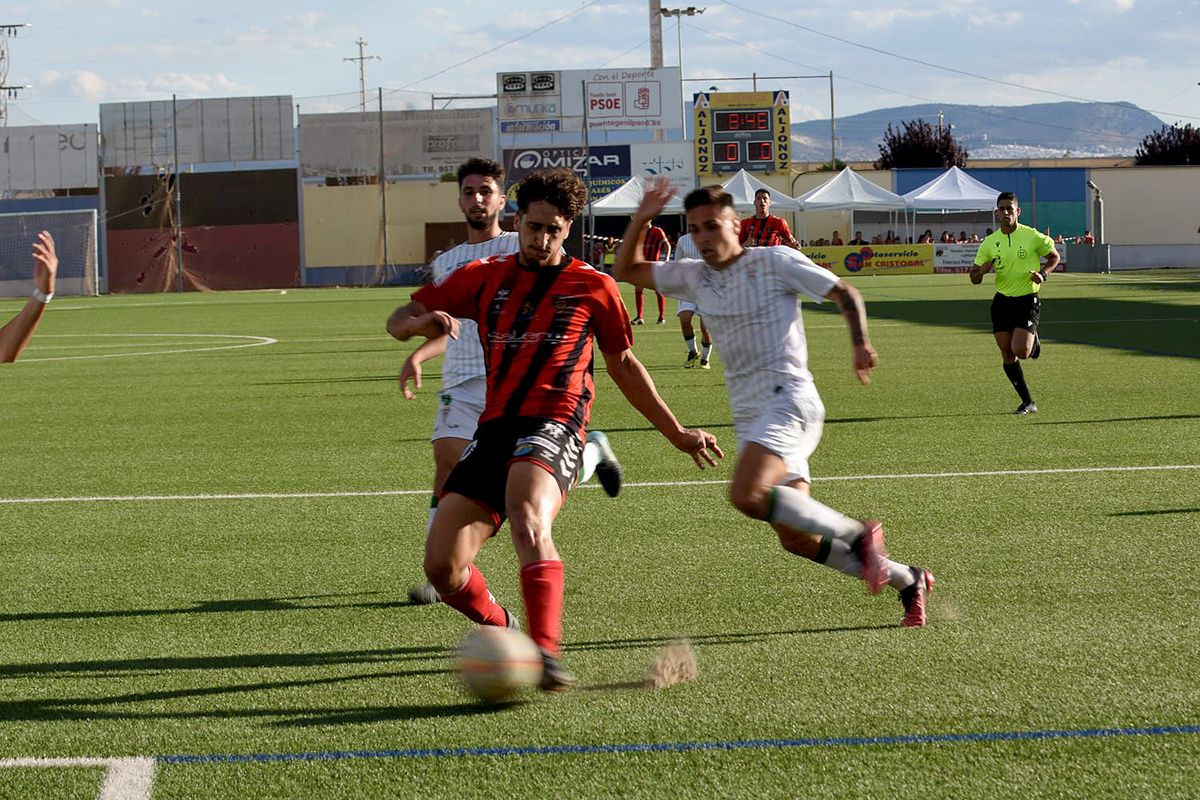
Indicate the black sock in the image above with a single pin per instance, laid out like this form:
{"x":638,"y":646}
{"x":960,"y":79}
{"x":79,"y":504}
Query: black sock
{"x":1016,"y":376}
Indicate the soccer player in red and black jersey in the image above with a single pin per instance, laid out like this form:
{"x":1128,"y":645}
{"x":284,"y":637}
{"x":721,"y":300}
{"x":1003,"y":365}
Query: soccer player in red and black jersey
{"x":764,"y":230}
{"x":656,"y":248}
{"x":538,"y":312}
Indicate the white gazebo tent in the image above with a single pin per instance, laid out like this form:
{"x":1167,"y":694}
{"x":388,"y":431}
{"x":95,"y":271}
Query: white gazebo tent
{"x":953,"y":190}
{"x":743,"y":187}
{"x":849,"y":191}
{"x":624,"y":200}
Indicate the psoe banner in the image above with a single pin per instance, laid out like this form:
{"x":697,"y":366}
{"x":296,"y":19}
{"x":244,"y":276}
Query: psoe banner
{"x":875,"y":259}
{"x":622,"y":99}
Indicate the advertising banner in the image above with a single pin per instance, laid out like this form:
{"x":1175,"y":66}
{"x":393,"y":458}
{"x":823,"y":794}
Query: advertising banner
{"x":45,"y":157}
{"x":671,"y":160}
{"x":875,"y":259}
{"x":611,"y":99}
{"x":954,"y":257}
{"x":603,"y":167}
{"x":414,"y":142}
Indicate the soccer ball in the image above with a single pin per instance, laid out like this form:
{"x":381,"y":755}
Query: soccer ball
{"x":497,"y":663}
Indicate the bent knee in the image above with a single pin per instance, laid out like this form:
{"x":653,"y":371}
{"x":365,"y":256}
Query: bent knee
{"x":753,"y":501}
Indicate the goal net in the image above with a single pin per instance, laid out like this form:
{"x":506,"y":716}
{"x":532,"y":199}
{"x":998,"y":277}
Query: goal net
{"x":74,"y":235}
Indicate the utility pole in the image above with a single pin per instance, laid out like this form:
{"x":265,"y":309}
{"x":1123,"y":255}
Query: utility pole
{"x":6,"y":91}
{"x":362,"y":69}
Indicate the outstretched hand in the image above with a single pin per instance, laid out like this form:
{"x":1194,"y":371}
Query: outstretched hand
{"x":700,"y":445}
{"x":45,"y":262}
{"x":659,"y":192}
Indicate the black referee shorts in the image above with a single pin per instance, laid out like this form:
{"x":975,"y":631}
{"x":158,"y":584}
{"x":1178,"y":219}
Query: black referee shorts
{"x":1016,"y":313}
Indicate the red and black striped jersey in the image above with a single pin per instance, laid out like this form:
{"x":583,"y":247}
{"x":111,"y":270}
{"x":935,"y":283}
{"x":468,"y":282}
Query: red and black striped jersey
{"x":654,"y":246}
{"x":536,"y":326}
{"x":767,"y":232}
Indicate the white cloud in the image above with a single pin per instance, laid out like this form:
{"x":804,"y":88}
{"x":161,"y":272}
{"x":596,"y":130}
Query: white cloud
{"x":90,"y":86}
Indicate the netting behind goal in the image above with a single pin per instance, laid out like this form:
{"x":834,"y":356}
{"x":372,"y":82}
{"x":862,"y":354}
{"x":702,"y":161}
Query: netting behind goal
{"x":74,"y":235}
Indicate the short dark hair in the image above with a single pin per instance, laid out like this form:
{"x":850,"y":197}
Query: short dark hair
{"x":1007,"y":196}
{"x":482,"y":166}
{"x":708,"y":196}
{"x":767,"y":192}
{"x":559,"y":187}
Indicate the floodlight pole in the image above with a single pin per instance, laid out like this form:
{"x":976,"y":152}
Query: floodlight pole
{"x":178,"y":193}
{"x":678,"y":14}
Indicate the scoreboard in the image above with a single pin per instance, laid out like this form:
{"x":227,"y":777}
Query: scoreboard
{"x":742,"y":130}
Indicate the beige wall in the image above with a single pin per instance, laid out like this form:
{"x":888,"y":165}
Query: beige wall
{"x":341,"y":223}
{"x":1150,"y":205}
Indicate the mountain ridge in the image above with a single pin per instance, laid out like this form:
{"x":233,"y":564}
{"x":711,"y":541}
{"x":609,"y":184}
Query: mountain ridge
{"x":1039,"y":130}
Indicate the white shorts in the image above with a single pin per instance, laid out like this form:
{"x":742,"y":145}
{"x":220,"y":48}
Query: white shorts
{"x":684,"y":305}
{"x":459,"y":408}
{"x":789,"y":426}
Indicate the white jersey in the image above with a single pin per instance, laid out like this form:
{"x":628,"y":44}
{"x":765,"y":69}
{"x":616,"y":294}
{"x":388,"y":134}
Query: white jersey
{"x":464,"y":355}
{"x":685,"y":248}
{"x":752,"y":308}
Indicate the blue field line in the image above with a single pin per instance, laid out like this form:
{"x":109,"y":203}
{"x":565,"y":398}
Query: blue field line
{"x":681,"y":747}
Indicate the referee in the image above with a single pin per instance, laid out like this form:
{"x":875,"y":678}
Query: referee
{"x":1016,"y":252}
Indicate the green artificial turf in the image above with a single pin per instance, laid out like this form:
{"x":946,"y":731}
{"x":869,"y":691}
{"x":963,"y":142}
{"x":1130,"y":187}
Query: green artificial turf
{"x":188,"y":572}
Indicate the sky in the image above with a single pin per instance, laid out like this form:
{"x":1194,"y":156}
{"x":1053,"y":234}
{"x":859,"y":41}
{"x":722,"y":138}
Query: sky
{"x":78,"y":54}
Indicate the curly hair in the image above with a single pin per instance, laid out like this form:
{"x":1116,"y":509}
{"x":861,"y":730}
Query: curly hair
{"x":559,"y":187}
{"x":481,"y":166}
{"x":708,"y":196}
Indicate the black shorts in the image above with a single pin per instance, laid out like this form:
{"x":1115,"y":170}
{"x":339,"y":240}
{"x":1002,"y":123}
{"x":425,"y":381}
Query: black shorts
{"x":1016,"y":313}
{"x":482,"y":472}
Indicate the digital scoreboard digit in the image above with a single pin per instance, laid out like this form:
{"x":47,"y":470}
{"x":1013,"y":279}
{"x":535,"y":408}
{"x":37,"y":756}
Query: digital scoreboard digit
{"x":742,"y":130}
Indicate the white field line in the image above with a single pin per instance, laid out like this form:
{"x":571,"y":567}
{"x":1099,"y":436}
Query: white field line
{"x":256,"y":341}
{"x":124,"y":778}
{"x":153,"y":498}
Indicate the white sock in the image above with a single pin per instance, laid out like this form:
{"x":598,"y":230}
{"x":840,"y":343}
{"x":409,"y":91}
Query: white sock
{"x":591,"y":457}
{"x":690,"y":341}
{"x":839,"y":556}
{"x":705,"y":351}
{"x":795,"y":509}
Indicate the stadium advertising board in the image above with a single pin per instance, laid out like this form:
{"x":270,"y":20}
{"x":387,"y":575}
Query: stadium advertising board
{"x":954,"y":257}
{"x":610,"y":99}
{"x":219,"y":130}
{"x":742,"y":130}
{"x":875,"y":259}
{"x":671,"y":160}
{"x":603,"y":167}
{"x":414,"y":142}
{"x":47,"y":157}
{"x":529,"y":102}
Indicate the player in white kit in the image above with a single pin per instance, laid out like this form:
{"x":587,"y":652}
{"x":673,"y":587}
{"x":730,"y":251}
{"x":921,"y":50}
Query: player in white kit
{"x":750,"y":298}
{"x":686,"y":248}
{"x":464,"y":388}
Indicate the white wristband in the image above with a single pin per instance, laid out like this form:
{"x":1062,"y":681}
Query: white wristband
{"x":42,"y":297}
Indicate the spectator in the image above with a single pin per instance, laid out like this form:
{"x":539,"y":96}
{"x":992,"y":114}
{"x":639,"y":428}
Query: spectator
{"x":837,"y":239}
{"x":858,"y":238}
{"x":1087,"y":238}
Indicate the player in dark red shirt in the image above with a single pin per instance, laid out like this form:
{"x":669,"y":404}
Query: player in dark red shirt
{"x":538,"y":312}
{"x":656,"y":248}
{"x":764,"y":230}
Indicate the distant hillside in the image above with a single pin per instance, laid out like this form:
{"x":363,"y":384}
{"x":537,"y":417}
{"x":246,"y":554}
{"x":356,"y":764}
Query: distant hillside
{"x":1043,"y":130}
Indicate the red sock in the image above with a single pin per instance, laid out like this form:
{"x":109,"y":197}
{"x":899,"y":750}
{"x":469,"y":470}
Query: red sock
{"x":475,"y":602}
{"x":542,"y":588}
{"x":662,"y":305}
{"x":639,"y":298}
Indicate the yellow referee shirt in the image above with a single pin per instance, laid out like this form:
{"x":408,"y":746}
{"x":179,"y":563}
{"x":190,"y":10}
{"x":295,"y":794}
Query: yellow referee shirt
{"x":1014,"y":256}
